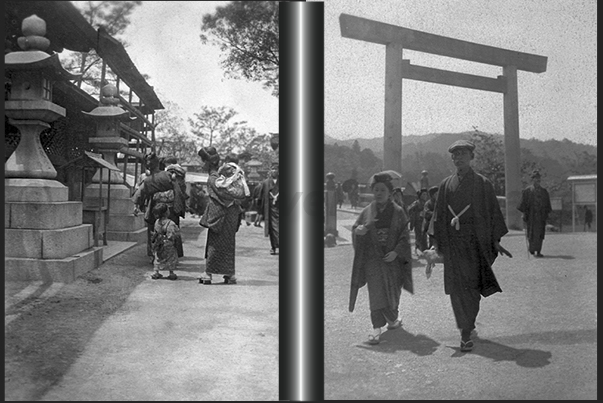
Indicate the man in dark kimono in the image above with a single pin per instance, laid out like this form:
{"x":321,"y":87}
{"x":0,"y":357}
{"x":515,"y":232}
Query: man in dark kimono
{"x":535,"y":205}
{"x":466,"y":227}
{"x":268,"y":204}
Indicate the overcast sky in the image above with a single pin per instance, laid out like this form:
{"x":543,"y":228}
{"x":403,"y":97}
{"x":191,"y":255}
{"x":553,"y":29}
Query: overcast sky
{"x":164,"y":43}
{"x":559,"y":103}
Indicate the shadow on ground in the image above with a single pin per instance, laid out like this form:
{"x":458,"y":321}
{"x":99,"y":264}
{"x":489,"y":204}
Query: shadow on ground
{"x":524,"y":357}
{"x":497,"y":351}
{"x":43,"y":342}
{"x":393,"y":341}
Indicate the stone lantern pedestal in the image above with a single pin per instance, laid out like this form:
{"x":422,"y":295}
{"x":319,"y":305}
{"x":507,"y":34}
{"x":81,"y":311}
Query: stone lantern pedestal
{"x":122,"y":225}
{"x":44,"y":236}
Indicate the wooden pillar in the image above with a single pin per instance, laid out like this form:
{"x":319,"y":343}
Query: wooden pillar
{"x":392,"y":137}
{"x":512,"y":150}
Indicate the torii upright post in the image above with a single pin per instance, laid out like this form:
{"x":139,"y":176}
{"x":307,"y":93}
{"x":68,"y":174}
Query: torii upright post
{"x":392,"y":134}
{"x":396,"y":38}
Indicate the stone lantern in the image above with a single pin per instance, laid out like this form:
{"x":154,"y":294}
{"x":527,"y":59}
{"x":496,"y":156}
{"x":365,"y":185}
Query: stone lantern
{"x":30,"y":108}
{"x":44,"y":234}
{"x":115,"y":196}
{"x":108,"y":116}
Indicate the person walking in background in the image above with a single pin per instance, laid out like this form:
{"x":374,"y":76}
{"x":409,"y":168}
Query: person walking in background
{"x":354,"y":195}
{"x":415,"y":211}
{"x":339,"y":194}
{"x":269,"y":206}
{"x":194,"y":201}
{"x":428,"y":213}
{"x":398,"y":198}
{"x":467,"y":226}
{"x":256,"y":195}
{"x":535,"y":205}
{"x":382,"y":257}
{"x":165,"y":234}
{"x":222,"y":219}
{"x":424,"y":181}
{"x":588,"y":218}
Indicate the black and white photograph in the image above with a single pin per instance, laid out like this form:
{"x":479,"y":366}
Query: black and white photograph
{"x":455,"y":193}
{"x":460,"y":170}
{"x":141,"y":201}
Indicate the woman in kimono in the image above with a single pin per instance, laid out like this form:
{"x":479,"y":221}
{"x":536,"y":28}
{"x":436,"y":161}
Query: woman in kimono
{"x":221,"y":218}
{"x":382,"y":256}
{"x":161,"y":186}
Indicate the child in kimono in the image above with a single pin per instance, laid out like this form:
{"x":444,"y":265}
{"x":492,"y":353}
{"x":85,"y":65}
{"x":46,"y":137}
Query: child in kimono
{"x":165,"y":233}
{"x":232,"y":178}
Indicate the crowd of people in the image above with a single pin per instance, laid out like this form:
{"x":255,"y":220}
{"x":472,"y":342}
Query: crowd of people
{"x":459,"y":220}
{"x":161,"y":194}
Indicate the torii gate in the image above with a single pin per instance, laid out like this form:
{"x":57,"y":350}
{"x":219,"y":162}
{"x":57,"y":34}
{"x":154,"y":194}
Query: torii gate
{"x":396,"y":38}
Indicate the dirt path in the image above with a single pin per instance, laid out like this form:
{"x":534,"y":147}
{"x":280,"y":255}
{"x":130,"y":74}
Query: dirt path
{"x":115,"y":334}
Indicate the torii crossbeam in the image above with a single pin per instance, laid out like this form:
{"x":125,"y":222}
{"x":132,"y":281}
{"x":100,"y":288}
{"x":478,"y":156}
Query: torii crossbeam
{"x":396,"y":38}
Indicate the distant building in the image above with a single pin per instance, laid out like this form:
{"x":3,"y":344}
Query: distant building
{"x":584,"y":193}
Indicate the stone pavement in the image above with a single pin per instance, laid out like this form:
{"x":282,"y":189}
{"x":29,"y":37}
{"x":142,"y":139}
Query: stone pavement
{"x":181,"y":340}
{"x":536,"y":340}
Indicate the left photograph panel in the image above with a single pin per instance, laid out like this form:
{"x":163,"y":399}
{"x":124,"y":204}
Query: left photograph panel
{"x":141,"y":188}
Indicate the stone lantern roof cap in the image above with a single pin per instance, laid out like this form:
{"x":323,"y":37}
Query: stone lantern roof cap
{"x":114,"y":112}
{"x":254,"y":163}
{"x":37,"y":60}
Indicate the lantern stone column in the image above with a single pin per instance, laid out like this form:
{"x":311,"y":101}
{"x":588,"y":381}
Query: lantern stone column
{"x":44,"y":236}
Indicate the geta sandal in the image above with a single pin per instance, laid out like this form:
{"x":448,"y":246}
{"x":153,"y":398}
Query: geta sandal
{"x":395,"y":325}
{"x":230,"y":280}
{"x":466,"y":345}
{"x":205,"y":280}
{"x":372,"y":340}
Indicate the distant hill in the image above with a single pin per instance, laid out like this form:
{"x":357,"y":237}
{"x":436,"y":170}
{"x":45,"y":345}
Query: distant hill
{"x":439,"y":142}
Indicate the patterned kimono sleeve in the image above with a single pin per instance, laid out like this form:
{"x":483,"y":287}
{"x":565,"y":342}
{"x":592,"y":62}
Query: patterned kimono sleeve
{"x":172,"y":230}
{"x":362,"y":219}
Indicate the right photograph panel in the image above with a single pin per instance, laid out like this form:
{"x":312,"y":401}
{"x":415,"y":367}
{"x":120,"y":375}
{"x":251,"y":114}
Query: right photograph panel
{"x":460,"y":255}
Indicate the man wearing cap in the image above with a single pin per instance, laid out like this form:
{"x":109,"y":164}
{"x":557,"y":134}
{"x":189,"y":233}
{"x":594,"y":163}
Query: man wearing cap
{"x":466,"y":227}
{"x":268,"y":204}
{"x":535,"y":205}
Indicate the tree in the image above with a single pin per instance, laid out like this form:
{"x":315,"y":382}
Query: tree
{"x":247,"y":33}
{"x":581,"y":163}
{"x":216,"y":127}
{"x":213,"y":124}
{"x":111,"y":16}
{"x":490,"y":161}
{"x":346,"y":164}
{"x":171,"y":135}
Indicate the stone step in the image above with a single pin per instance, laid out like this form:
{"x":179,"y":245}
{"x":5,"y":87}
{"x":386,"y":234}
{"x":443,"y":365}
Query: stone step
{"x":47,"y":244}
{"x":64,"y":270}
{"x":49,"y":215}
